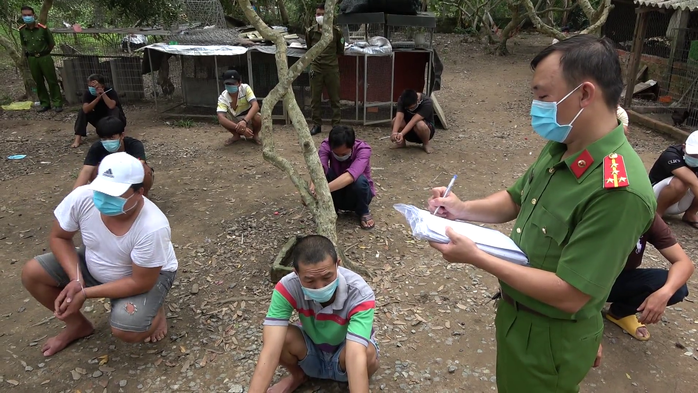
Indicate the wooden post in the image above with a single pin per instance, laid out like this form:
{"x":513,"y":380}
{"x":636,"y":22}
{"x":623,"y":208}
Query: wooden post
{"x":636,"y":55}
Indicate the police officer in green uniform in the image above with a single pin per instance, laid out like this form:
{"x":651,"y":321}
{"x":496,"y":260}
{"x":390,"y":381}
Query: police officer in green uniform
{"x":38,"y":43}
{"x":579,"y":210}
{"x":324,"y":71}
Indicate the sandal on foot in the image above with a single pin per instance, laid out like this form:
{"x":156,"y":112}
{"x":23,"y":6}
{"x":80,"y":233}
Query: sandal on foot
{"x":629,"y":324}
{"x":367,"y":222}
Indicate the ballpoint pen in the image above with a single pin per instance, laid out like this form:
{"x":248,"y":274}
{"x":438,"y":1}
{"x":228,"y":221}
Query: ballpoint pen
{"x":448,"y":189}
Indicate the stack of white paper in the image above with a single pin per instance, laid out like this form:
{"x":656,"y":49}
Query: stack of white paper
{"x":426,"y":226}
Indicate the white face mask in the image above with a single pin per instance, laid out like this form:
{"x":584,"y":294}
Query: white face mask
{"x":319,"y":19}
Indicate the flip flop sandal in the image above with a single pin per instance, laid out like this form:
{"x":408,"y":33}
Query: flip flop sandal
{"x":364,"y":222}
{"x":629,"y":325}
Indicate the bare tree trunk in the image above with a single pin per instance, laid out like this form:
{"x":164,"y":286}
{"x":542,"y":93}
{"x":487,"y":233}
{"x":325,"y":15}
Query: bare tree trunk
{"x":509,"y":28}
{"x":282,"y":10}
{"x":45,"y":8}
{"x":320,"y":206}
{"x":566,"y":14}
{"x":597,"y":17}
{"x":22,"y":66}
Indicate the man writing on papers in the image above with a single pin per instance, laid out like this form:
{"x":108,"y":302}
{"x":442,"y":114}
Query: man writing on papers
{"x":578,"y":210}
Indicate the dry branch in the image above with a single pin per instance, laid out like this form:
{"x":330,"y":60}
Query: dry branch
{"x":321,"y":206}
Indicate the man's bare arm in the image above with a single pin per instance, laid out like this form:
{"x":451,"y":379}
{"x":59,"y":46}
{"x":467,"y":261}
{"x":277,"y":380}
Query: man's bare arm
{"x":274,"y":338}
{"x":141,"y":280}
{"x":357,"y":367}
{"x":413,"y":122}
{"x":340,"y":182}
{"x":686,"y":175}
{"x":399,"y":118}
{"x":87,"y":107}
{"x":111,"y":104}
{"x":227,"y":123}
{"x":681,"y":268}
{"x":494,"y":209}
{"x":63,"y":248}
{"x":84,"y":176}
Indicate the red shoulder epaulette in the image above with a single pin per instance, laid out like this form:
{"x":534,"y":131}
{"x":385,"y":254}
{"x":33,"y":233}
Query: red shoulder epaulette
{"x":614,"y":173}
{"x":40,"y":25}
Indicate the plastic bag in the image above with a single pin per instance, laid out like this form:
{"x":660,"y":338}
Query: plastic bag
{"x":399,"y":7}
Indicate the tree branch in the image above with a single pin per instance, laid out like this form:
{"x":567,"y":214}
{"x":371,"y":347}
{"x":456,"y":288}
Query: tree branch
{"x":587,"y":8}
{"x":540,"y":25}
{"x":601,"y":16}
{"x":45,"y":8}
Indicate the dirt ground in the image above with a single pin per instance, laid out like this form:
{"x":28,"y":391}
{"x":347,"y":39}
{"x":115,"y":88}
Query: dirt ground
{"x":230,"y":212}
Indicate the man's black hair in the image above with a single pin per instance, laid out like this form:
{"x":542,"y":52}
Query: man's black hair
{"x":341,"y":136}
{"x":136,"y":187}
{"x":28,"y":8}
{"x":109,"y":126}
{"x":409,"y":97}
{"x":320,"y":6}
{"x":584,"y":57}
{"x":313,"y":249}
{"x":96,"y":77}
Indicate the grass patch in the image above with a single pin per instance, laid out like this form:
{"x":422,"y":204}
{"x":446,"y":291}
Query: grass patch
{"x":185,"y":123}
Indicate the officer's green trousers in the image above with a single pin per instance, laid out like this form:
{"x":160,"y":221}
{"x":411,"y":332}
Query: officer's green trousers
{"x":537,"y":354}
{"x":43,"y":68}
{"x":326,"y":77}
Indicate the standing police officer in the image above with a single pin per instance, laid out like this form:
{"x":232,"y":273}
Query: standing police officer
{"x":579,"y":210}
{"x":38,"y":43}
{"x":324,"y":70}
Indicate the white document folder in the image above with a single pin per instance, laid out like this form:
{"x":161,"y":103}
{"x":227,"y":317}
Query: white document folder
{"x":426,"y":226}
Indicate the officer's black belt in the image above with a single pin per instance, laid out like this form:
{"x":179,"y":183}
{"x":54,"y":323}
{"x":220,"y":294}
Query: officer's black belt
{"x":520,"y":306}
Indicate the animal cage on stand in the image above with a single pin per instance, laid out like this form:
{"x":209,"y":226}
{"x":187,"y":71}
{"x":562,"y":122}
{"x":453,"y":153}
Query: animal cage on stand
{"x":670,"y":91}
{"x":199,"y":83}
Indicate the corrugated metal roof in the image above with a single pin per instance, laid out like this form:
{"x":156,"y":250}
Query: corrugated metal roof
{"x":690,"y":5}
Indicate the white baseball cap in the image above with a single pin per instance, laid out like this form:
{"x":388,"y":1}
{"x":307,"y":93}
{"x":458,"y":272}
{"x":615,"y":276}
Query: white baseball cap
{"x":118,"y":172}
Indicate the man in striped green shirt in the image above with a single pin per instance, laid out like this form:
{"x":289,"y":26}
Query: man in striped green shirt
{"x":335,"y":339}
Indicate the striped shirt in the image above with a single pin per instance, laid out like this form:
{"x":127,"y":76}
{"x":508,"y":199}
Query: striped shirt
{"x":245,"y":99}
{"x":349,"y":317}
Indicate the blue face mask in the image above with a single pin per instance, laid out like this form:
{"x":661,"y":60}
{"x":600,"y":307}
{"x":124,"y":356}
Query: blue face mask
{"x":111,"y":145}
{"x":232,"y":89}
{"x":323,"y":294}
{"x":93,"y":90}
{"x":28,"y":19}
{"x":544,"y":119}
{"x":691,"y":161}
{"x":342,"y":158}
{"x":110,"y":205}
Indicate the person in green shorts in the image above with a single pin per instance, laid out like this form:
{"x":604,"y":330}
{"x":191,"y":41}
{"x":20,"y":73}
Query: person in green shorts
{"x":38,"y":43}
{"x":579,"y":210}
{"x":324,"y":70}
{"x":335,"y":338}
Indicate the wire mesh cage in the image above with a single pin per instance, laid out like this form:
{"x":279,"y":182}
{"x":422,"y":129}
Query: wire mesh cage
{"x":361,"y":27}
{"x":208,"y":12}
{"x":411,"y":31}
{"x":112,"y":55}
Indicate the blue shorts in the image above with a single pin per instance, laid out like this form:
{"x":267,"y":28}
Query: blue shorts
{"x":323,"y":365}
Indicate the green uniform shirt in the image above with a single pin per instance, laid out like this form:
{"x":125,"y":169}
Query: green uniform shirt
{"x":571,"y":225}
{"x":328,"y":57}
{"x":37,"y":39}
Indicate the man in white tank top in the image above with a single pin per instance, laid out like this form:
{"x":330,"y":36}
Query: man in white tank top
{"x":127,"y":257}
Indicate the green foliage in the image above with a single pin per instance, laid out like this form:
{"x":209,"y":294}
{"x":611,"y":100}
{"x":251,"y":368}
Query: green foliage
{"x":147,"y":12}
{"x":185,"y":123}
